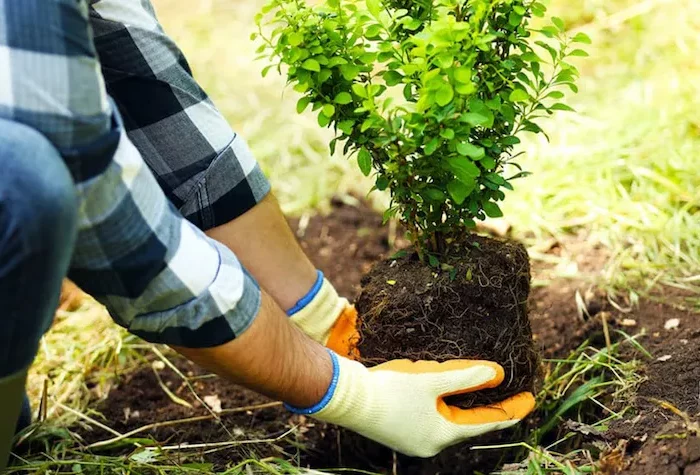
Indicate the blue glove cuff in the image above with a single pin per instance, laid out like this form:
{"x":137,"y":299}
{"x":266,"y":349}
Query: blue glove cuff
{"x":326,"y":397}
{"x":304,"y":301}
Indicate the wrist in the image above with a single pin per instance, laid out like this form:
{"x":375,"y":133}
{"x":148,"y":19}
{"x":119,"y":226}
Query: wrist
{"x":328,"y":395}
{"x":317,"y":311}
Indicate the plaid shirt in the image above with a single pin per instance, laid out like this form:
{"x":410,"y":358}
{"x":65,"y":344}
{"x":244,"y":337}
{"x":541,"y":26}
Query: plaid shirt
{"x":163,"y":152}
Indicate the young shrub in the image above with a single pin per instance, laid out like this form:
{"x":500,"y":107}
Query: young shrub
{"x":430,"y":95}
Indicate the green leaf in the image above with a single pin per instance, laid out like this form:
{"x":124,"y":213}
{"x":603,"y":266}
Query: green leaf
{"x":266,"y":69}
{"x":464,"y":170}
{"x":488,"y":163}
{"x":433,"y":261}
{"x":301,"y":87}
{"x":324,"y":75}
{"x":444,"y":95}
{"x":412,"y":24}
{"x":373,"y":30}
{"x":431,"y":146}
{"x":555,"y":94}
{"x":445,"y":60}
{"x":561,"y":107}
{"x":463,"y":75}
{"x":473,"y":118}
{"x":494,"y":103}
{"x":514,"y":19}
{"x":359,"y":90}
{"x":434,"y":194}
{"x":465,"y":89}
{"x":448,"y":134}
{"x":382,"y":183}
{"x":311,"y":65}
{"x":346,"y":126}
{"x":459,"y":190}
{"x":349,"y":71}
{"x":343,"y":98}
{"x":469,"y":150}
{"x":530,"y":56}
{"x":559,"y":23}
{"x":392,"y":78}
{"x":510,"y":140}
{"x":364,"y":160}
{"x":374,"y":7}
{"x":492,"y":210}
{"x":302,"y":104}
{"x":295,"y":38}
{"x":578,"y":52}
{"x":581,"y":38}
{"x":518,"y":95}
{"x":323,"y":119}
{"x":329,"y":110}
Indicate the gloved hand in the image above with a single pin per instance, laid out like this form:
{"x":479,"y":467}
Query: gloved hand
{"x":401,"y":403}
{"x":327,"y":318}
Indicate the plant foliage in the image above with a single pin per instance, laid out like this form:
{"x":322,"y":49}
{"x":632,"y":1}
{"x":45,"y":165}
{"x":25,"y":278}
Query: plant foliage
{"x":429,"y":95}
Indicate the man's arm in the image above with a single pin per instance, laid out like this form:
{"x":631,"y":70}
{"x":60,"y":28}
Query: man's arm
{"x":204,"y":168}
{"x":272,"y":357}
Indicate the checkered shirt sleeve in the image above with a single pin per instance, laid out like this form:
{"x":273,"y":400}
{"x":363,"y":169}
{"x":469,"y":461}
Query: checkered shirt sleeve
{"x":156,"y":272}
{"x":205,"y":169}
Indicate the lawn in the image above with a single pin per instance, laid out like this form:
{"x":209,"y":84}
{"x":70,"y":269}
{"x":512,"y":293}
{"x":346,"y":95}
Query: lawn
{"x":611,"y":213}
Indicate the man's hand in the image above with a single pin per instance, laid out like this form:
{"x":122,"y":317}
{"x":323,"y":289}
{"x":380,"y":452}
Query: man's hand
{"x":327,"y":318}
{"x":401,"y":403}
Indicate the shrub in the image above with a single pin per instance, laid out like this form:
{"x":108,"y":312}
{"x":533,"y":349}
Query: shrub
{"x":430,"y":95}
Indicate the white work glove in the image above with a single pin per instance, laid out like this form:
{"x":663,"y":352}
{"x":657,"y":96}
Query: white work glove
{"x":327,"y":318}
{"x":401,"y":404}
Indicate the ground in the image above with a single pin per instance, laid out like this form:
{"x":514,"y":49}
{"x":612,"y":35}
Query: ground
{"x":238,"y":424}
{"x":609,"y":217}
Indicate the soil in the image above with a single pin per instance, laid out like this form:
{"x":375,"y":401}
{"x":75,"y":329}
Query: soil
{"x":657,"y":436}
{"x":411,"y":311}
{"x":477,"y":309}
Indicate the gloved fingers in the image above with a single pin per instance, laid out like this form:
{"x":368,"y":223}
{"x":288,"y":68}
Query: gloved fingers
{"x":344,"y":335}
{"x":450,"y":377}
{"x":513,"y":409}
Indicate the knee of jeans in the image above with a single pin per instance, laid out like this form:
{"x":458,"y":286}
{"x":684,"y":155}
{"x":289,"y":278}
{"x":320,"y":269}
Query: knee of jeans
{"x":40,"y":197}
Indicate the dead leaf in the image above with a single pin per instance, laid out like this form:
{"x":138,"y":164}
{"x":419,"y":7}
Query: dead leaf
{"x":582,"y":428}
{"x":213,"y":402}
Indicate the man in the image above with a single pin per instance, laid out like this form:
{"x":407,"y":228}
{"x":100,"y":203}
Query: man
{"x":118,"y":170}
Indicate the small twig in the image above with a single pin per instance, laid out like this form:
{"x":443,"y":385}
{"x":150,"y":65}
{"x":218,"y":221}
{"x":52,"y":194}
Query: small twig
{"x":168,"y":392}
{"x":88,"y":419}
{"x":156,"y":425}
{"x":229,"y":443}
{"x":44,"y":404}
{"x":190,"y":387}
{"x":606,"y":332}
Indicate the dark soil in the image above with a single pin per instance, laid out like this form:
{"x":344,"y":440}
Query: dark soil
{"x":474,"y":309}
{"x":477,"y":309}
{"x":649,"y":439}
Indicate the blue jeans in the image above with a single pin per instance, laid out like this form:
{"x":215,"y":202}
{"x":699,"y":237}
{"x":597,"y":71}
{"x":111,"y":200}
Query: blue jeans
{"x":38,"y":224}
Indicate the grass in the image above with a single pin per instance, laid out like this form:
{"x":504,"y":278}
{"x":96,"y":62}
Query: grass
{"x":623,"y":172}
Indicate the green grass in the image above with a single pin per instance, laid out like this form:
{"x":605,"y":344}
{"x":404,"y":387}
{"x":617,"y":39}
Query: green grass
{"x":623,"y":172}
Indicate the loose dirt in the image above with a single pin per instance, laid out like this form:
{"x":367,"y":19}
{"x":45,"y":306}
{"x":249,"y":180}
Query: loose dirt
{"x":656,"y":437}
